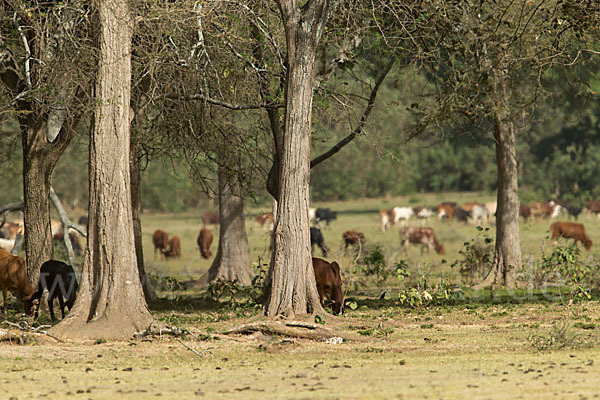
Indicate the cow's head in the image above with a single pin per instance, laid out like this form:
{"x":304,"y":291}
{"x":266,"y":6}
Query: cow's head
{"x":587,"y":243}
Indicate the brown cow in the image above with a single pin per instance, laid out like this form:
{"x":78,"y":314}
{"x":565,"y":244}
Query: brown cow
{"x":174,"y":248}
{"x":210,"y":218}
{"x":446,"y":209}
{"x":593,"y":206}
{"x":545,"y":209}
{"x":424,"y":236}
{"x":9,"y":230}
{"x":388,"y":218}
{"x":265,"y":220}
{"x":524,"y":211}
{"x":353,"y":238}
{"x":204,"y":241}
{"x":571,"y":230}
{"x":160,"y":239}
{"x":329,"y":282}
{"x":13,"y":278}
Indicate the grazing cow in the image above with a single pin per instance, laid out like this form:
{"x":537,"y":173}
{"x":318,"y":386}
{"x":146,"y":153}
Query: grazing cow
{"x":462,"y":215}
{"x":173,"y":248}
{"x":210,"y":218}
{"x":13,"y":278}
{"x":10,"y":230}
{"x":545,"y":209}
{"x":7,"y":244}
{"x":402,"y":213}
{"x":423,"y":212}
{"x":573,"y":211}
{"x":204,"y":241}
{"x":353,"y":238}
{"x":469,"y":206}
{"x":479,"y":214}
{"x":524,"y":211}
{"x":594,"y":207}
{"x":265,"y":220}
{"x":387,"y":219}
{"x":571,"y":230}
{"x":160,"y":240}
{"x":329,"y":283}
{"x":325,"y":214}
{"x":424,"y":236}
{"x":446,"y":209}
{"x":60,"y":281}
{"x":59,"y":237}
{"x":316,"y":237}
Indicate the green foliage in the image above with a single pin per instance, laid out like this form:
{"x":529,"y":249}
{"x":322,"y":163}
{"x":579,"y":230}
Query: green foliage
{"x":560,"y":336}
{"x":477,"y":256}
{"x":424,"y":294}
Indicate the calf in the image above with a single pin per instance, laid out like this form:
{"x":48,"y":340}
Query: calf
{"x":329,"y":283}
{"x":204,"y":241}
{"x":173,"y":248}
{"x":210,"y":218}
{"x":353,"y":238}
{"x":160,"y":240}
{"x":13,"y":278}
{"x":60,"y":281}
{"x":424,"y":236}
{"x":571,"y":230}
{"x":316,"y":237}
{"x":325,"y":214}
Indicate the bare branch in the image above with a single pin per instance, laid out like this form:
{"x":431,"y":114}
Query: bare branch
{"x":223,"y":104}
{"x":362,"y":122}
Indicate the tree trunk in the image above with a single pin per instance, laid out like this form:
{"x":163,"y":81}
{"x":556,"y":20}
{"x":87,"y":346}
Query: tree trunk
{"x":232,"y":261}
{"x":293,"y":289}
{"x":508,"y":245}
{"x":36,"y":201}
{"x":110,"y":302}
{"x":136,"y":208}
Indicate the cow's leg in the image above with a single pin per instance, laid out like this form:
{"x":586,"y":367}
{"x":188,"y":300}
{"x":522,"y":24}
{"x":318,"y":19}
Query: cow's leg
{"x":61,"y":301}
{"x":51,"y":305}
{"x":321,"y":291}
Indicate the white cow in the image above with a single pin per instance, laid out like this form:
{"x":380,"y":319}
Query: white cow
{"x":403,"y":213}
{"x":479,"y":213}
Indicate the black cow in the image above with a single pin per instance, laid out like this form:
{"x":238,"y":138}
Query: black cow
{"x":325,"y":214}
{"x":573,"y":211}
{"x":60,"y":281}
{"x":462,"y":214}
{"x":316,"y":237}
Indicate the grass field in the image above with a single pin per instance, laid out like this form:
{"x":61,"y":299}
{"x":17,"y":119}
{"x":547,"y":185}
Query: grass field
{"x":492,"y":346}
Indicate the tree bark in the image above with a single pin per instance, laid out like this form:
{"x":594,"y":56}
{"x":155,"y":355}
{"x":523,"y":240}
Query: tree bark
{"x":508,"y":245}
{"x":293,"y":289}
{"x":232,"y":261}
{"x":136,"y":209}
{"x":39,"y":159}
{"x":110,"y":302}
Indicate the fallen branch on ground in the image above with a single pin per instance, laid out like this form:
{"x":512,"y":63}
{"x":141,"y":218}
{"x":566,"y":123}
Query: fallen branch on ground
{"x":294,"y":329}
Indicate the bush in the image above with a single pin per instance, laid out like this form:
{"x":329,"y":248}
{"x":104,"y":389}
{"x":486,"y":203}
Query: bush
{"x":477,"y":256}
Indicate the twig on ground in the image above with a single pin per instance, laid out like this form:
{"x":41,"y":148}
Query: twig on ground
{"x":194,"y":351}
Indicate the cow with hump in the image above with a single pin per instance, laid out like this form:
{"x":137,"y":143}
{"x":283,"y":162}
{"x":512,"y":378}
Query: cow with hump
{"x":329,"y":283}
{"x":13,"y":278}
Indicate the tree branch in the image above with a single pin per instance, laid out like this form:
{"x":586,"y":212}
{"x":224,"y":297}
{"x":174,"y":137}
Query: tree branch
{"x":362,"y":122}
{"x":223,"y":103}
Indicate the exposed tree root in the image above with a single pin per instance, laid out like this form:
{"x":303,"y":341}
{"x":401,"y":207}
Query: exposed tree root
{"x":294,"y":329}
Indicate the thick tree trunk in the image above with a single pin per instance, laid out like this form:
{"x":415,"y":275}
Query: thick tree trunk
{"x":37,"y":171}
{"x":508,"y":245}
{"x":232,"y":261}
{"x":136,"y":208}
{"x":110,"y":302}
{"x":293,"y":289}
